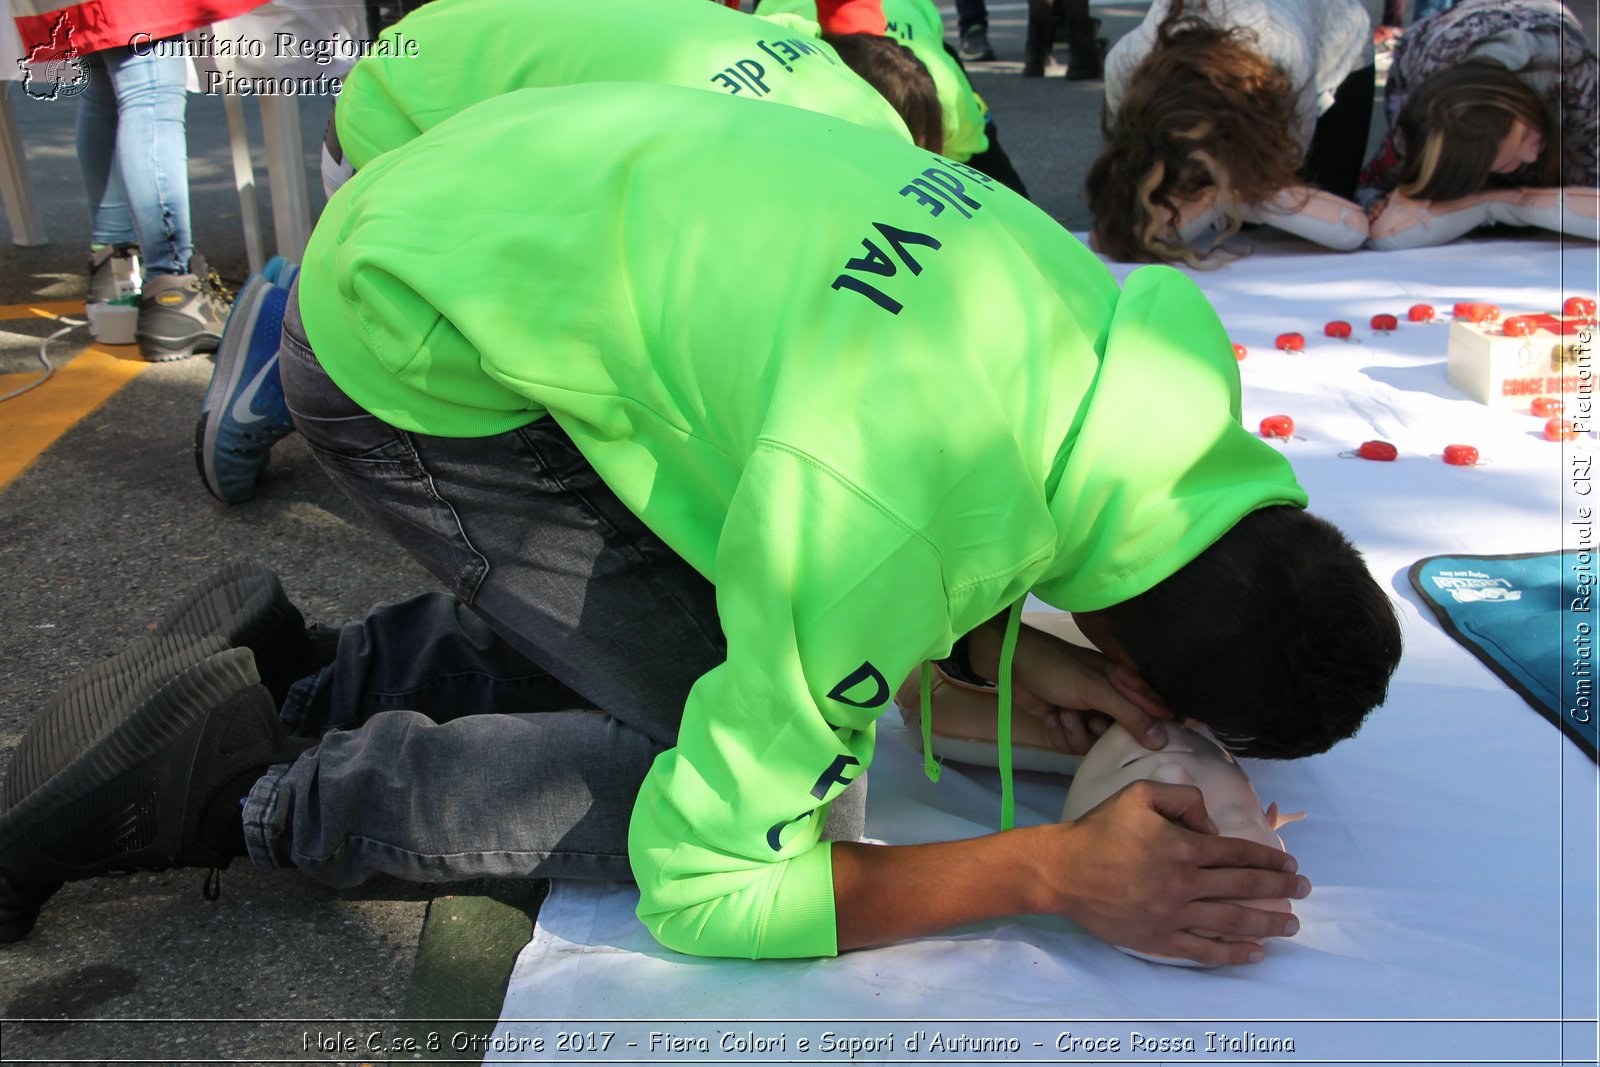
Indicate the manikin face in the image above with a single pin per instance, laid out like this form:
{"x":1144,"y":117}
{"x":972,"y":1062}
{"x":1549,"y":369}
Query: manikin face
{"x":1189,"y":758}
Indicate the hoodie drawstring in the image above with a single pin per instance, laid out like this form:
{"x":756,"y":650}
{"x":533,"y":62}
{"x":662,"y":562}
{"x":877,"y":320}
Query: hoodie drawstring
{"x":930,"y":765}
{"x":1008,"y":648}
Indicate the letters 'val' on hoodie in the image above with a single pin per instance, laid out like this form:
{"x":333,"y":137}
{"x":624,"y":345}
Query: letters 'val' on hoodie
{"x":871,"y":395}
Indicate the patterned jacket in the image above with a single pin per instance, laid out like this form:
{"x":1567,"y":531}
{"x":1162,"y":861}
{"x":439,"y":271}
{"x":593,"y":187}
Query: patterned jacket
{"x":1539,"y":40}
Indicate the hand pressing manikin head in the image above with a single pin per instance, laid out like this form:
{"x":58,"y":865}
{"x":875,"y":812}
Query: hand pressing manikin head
{"x":1189,"y":758}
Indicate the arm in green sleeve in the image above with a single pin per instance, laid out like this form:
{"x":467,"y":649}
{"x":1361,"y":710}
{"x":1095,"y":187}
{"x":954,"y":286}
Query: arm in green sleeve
{"x":827,"y":600}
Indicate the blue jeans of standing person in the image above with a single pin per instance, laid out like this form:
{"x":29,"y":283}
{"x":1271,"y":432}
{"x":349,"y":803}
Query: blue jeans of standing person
{"x":464,"y":736}
{"x":134,"y":153}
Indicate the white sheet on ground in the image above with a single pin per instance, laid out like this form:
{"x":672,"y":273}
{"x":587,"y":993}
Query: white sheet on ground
{"x":1451,"y":844}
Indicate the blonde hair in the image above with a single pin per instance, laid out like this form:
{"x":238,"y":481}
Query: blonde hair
{"x":1203,"y":110}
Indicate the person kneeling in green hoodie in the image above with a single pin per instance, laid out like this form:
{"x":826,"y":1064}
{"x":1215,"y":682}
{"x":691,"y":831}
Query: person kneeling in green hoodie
{"x":702,"y":475}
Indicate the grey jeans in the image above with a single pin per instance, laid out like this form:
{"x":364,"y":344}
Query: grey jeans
{"x":502,"y":731}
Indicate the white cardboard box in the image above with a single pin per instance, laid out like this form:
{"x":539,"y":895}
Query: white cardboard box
{"x":1556,"y":359}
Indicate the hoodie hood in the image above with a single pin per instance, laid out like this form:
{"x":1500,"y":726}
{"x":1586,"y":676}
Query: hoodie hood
{"x":1158,"y":465}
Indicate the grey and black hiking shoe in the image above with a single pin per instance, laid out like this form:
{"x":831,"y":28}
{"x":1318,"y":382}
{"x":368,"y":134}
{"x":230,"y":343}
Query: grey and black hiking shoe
{"x":113,"y":273}
{"x":135,"y":768}
{"x":181,"y":315}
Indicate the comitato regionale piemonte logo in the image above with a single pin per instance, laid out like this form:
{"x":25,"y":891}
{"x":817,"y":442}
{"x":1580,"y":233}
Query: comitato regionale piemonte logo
{"x":54,"y":70}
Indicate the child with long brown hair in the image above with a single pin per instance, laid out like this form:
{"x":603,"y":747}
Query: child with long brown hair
{"x":1231,"y":112}
{"x":1493,"y":118}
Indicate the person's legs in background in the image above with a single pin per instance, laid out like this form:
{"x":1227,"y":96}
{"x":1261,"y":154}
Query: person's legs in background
{"x":114,"y":249}
{"x":152,"y":153}
{"x":1067,"y":21}
{"x":1086,"y":49}
{"x":1039,"y":44}
{"x":972,"y":29}
{"x":133,"y":147}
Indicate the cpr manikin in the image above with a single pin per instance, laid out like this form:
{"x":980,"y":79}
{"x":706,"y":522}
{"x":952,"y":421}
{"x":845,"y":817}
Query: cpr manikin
{"x":1407,"y":223}
{"x":1189,"y":758}
{"x":965,"y":725}
{"x":1313,"y":214}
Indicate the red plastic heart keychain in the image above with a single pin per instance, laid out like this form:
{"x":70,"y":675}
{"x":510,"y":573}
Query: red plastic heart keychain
{"x":1475,"y":312}
{"x":1560,"y":429}
{"x":1579,"y":307}
{"x":1461,"y":455}
{"x":1380,"y":451}
{"x":1240,"y":351}
{"x":1545,"y":406}
{"x":1420,"y":313}
{"x":1385,"y":323}
{"x":1291,"y":342}
{"x":1280,"y":426}
{"x":1339,"y":330}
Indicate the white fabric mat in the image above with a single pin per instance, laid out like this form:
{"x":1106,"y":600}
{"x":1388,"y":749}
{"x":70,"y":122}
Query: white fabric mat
{"x":1451,"y":845}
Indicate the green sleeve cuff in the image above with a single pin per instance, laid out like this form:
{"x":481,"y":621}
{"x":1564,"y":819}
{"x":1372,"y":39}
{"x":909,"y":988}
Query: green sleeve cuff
{"x":801,"y":920}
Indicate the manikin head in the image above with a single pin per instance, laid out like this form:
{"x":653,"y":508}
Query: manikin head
{"x":1189,"y":758}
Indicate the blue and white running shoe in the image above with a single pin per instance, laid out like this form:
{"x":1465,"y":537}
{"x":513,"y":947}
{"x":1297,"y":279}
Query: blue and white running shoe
{"x":244,"y":412}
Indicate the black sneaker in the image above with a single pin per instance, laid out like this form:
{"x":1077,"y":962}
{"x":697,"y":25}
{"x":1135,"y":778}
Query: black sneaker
{"x":1088,"y":65}
{"x":1038,"y":53}
{"x":181,"y":315}
{"x":1086,"y":50}
{"x":118,"y":775}
{"x":975,"y":47}
{"x":245,"y":605}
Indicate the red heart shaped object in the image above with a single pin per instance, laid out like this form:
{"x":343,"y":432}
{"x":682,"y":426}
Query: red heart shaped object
{"x":1277,"y":426}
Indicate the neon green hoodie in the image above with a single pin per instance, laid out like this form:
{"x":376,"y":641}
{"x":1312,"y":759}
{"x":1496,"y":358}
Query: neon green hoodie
{"x":875,"y":406}
{"x":451,"y":54}
{"x":918,"y":25}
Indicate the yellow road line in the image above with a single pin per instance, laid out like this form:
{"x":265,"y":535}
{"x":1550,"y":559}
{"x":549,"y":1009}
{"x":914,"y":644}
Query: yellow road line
{"x":41,"y":309}
{"x":35,"y":420}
